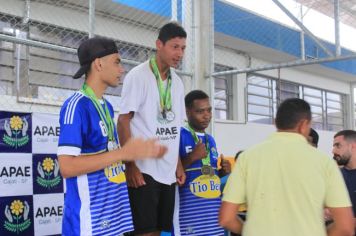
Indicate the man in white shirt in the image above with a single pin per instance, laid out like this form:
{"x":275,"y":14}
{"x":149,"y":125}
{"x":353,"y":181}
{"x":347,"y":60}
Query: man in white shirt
{"x":152,"y":105}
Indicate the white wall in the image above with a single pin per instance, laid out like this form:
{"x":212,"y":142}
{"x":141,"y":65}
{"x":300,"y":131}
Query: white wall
{"x":231,"y":137}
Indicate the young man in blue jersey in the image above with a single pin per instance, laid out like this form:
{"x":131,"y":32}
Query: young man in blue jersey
{"x":200,"y":197}
{"x":96,"y":200}
{"x":152,"y":105}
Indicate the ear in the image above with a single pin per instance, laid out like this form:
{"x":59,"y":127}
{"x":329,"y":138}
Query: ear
{"x":353,"y":146}
{"x":159,"y":44}
{"x":97,"y":64}
{"x":303,"y":127}
{"x":187,"y":112}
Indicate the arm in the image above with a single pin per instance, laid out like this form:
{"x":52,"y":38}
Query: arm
{"x":180,"y":174}
{"x":134,"y":176}
{"x":134,"y":149}
{"x":123,"y":127}
{"x":228,"y":217}
{"x":198,"y":153}
{"x":343,"y":224}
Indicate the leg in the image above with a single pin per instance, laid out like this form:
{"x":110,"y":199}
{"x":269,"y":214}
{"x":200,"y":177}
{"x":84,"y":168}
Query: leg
{"x":166,"y":207}
{"x":144,"y":204}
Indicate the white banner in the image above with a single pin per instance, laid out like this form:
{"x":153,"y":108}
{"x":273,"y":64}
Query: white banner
{"x":45,"y":133}
{"x":16,"y":174}
{"x":47,"y":213}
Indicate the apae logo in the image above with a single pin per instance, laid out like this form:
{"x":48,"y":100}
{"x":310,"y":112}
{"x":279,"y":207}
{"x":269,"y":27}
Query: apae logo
{"x":17,"y":219}
{"x":16,"y":132}
{"x":48,"y":173}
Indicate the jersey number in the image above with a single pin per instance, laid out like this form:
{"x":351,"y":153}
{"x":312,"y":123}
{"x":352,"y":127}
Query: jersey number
{"x":103,"y":128}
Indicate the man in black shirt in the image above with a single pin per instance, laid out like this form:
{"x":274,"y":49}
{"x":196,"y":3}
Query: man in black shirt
{"x":344,"y":150}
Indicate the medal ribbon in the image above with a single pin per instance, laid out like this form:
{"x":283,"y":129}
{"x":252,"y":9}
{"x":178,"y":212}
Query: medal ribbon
{"x":206,"y":160}
{"x":104,"y":115}
{"x":165,"y":97}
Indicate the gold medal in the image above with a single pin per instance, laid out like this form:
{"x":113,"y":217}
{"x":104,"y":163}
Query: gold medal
{"x":207,"y":170}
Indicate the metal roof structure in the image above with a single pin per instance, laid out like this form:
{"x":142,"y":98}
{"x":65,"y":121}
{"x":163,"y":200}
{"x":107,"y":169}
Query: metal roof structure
{"x":347,"y":9}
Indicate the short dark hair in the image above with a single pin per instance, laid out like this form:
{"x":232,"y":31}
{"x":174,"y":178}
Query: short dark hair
{"x":290,"y":112}
{"x":315,"y":136}
{"x":171,"y":30}
{"x":194,"y":95}
{"x":349,"y":135}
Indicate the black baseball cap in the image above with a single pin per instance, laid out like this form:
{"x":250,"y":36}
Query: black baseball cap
{"x":91,"y":49}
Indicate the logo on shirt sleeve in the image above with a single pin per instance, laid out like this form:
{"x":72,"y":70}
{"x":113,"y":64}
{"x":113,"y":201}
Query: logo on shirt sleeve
{"x":214,"y":153}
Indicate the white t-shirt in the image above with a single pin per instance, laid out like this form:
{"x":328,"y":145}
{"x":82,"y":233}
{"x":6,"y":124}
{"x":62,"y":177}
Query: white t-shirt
{"x":140,"y":95}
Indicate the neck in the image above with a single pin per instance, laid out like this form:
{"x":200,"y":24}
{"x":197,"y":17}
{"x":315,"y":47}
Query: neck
{"x":162,"y":67}
{"x":352,"y":164}
{"x":97,"y":86}
{"x":196,"y":129}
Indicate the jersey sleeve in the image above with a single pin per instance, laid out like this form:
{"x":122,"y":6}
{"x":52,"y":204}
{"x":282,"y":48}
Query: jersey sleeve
{"x":182,"y":152}
{"x":132,"y":93}
{"x":71,"y":123}
{"x":336,"y":191}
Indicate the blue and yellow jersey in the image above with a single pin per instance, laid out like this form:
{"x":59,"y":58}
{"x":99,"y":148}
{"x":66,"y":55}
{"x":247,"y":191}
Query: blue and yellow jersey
{"x":200,"y":196}
{"x":95,"y":203}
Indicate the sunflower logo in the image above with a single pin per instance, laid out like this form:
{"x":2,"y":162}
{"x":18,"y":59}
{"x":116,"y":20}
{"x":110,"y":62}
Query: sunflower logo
{"x":16,"y":207}
{"x":48,"y":164}
{"x":16,"y":132}
{"x":16,"y":215}
{"x":16,"y":123}
{"x":48,"y":172}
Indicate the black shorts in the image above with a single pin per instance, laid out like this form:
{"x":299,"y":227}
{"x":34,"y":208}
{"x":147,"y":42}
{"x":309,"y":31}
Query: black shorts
{"x":152,"y":206}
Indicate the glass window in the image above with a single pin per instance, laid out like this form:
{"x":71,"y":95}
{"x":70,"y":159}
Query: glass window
{"x":335,"y":112}
{"x":223,"y":93}
{"x":287,"y":90}
{"x":264,"y":93}
{"x":260,"y":99}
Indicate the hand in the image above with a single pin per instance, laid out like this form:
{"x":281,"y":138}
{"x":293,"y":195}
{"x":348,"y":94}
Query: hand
{"x":7,"y":128}
{"x":180,"y":174}
{"x":225,"y":165}
{"x":8,"y":214}
{"x":199,"y":151}
{"x":56,"y":168}
{"x":40,"y":170}
{"x":24,"y":127}
{"x":139,"y":149}
{"x":134,"y":176}
{"x":26,"y":211}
